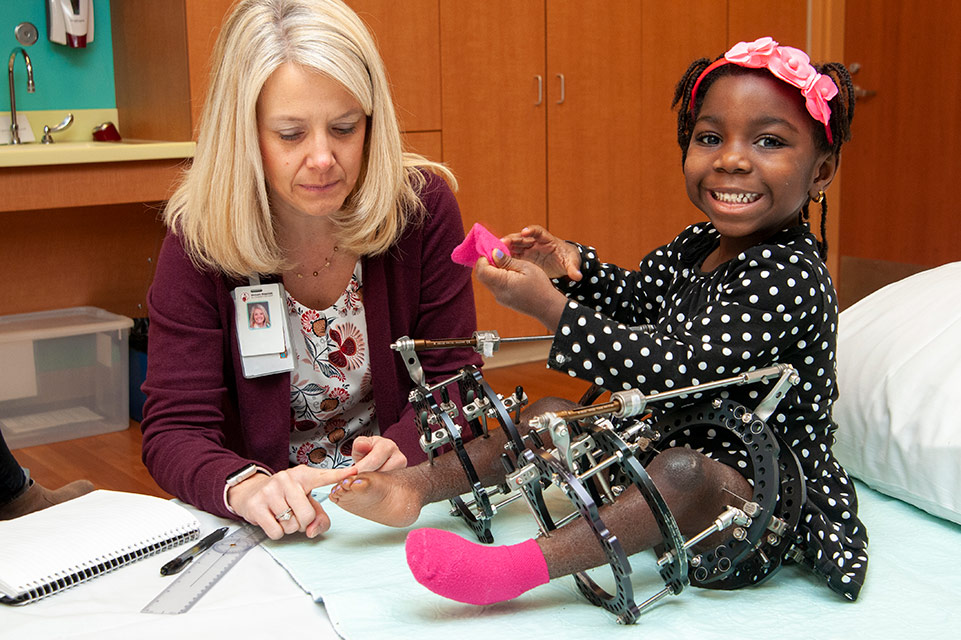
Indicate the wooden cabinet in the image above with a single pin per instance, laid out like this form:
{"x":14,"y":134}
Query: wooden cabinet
{"x":408,"y":41}
{"x":494,"y":110}
{"x":558,"y":113}
{"x":163,"y":54}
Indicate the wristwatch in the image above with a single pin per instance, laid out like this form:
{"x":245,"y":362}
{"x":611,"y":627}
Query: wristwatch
{"x":245,"y":472}
{"x":237,"y":477}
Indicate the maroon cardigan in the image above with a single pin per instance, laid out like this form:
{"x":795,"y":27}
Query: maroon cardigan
{"x":203,"y":420}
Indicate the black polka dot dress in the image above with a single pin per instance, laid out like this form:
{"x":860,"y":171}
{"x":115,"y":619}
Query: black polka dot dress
{"x":774,"y":303}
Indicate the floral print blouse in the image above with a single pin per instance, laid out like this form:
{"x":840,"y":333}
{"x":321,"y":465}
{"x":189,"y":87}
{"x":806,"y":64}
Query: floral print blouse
{"x":331,"y":398}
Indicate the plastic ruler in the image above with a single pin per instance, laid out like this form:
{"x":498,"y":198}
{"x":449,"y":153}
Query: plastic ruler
{"x":205,"y":570}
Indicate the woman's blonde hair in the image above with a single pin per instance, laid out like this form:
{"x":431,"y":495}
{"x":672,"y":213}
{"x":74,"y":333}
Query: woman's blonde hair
{"x":221,"y":207}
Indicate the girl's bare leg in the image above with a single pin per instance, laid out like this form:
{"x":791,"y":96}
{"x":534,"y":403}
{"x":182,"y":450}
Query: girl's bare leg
{"x":695,"y":489}
{"x":396,"y":497}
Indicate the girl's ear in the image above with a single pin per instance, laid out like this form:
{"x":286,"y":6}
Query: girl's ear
{"x":826,"y":171}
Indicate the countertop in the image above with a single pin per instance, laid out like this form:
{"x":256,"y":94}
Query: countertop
{"x":37,"y":154}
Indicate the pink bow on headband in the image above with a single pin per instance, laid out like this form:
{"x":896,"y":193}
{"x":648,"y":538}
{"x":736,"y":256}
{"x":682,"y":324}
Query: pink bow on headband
{"x":791,"y":65}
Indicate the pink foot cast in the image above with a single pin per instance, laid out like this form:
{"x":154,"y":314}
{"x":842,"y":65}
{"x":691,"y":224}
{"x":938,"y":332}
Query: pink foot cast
{"x":468,"y":572}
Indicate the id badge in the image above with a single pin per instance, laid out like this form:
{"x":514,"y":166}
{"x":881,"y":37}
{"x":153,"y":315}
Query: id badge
{"x":260,"y":314}
{"x":274,"y":361}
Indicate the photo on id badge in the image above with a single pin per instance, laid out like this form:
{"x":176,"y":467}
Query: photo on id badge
{"x":259,"y":329}
{"x":258,"y":315}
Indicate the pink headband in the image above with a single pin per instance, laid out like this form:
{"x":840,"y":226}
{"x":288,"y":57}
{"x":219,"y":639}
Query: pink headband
{"x":791,"y":65}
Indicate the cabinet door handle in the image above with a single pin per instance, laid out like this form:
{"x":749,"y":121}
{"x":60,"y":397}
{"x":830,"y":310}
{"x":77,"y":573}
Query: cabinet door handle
{"x":561,"y":76}
{"x":540,"y":91}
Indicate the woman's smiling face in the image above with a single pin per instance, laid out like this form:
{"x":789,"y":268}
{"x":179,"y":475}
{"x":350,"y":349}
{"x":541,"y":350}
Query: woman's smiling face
{"x":752,"y":162}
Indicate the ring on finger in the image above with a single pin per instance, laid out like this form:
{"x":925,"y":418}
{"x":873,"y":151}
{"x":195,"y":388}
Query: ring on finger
{"x":285,"y":516}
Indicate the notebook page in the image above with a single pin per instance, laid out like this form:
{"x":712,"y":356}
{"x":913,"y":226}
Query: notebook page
{"x":82,"y":533}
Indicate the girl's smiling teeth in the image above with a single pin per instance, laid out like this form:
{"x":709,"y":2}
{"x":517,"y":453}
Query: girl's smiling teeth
{"x":735,"y":198}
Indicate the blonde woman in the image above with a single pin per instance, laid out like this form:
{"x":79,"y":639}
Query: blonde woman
{"x":299,"y":178}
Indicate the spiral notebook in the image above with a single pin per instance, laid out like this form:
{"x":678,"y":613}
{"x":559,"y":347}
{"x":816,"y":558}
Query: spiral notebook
{"x":45,"y":552}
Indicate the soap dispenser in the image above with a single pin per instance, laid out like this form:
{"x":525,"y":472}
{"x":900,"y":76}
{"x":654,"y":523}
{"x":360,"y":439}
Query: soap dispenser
{"x":70,"y":22}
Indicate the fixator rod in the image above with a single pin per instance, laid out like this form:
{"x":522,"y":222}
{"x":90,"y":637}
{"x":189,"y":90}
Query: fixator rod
{"x":629,"y":403}
{"x":600,"y":466}
{"x":424,"y":344}
{"x":481,"y":341}
{"x":748,"y":377}
{"x":444,"y":383}
{"x":666,"y":591}
{"x":513,"y":497}
{"x":623,"y":404}
{"x":731,"y":515}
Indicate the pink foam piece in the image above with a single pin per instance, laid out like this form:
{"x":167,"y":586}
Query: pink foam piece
{"x":472,"y":573}
{"x":479,"y":243}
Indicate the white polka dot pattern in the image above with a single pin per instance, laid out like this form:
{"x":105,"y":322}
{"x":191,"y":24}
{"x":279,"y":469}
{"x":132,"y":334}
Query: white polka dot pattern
{"x":772,"y":303}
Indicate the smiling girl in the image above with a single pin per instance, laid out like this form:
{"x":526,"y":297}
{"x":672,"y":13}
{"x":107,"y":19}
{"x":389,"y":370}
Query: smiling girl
{"x":760,"y":131}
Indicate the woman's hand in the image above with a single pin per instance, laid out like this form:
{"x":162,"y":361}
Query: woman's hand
{"x":375,"y":453}
{"x":522,"y":286}
{"x":554,"y":256}
{"x":261,"y":498}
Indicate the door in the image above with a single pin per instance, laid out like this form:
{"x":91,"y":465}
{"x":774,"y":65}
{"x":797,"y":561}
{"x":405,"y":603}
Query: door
{"x":902,"y":167}
{"x":594,"y":124}
{"x":494,"y":125}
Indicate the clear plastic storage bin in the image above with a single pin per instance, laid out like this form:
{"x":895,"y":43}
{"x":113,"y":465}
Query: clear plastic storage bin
{"x":63,"y":375}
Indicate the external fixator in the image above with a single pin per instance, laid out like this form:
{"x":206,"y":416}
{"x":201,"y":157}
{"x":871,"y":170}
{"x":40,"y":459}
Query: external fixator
{"x":479,"y":404}
{"x":592,"y":461}
{"x":594,"y":453}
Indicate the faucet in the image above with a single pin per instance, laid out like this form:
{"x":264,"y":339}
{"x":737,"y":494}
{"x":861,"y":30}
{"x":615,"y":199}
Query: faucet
{"x":14,"y":128}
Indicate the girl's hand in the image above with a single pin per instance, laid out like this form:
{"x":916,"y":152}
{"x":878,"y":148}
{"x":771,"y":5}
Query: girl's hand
{"x":375,"y":453}
{"x":519,"y":285}
{"x":554,"y":256}
{"x":261,"y":498}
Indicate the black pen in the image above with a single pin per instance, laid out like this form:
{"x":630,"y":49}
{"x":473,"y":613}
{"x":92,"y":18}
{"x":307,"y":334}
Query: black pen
{"x":184,"y":558}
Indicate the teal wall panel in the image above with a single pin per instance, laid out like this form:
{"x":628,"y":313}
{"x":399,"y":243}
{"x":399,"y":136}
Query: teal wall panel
{"x":65,"y":78}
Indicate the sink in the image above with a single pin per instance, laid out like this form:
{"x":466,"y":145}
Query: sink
{"x":36,"y":154}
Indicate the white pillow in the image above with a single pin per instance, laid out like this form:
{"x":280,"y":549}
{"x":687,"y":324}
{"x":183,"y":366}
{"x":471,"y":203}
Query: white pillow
{"x":899,"y":379}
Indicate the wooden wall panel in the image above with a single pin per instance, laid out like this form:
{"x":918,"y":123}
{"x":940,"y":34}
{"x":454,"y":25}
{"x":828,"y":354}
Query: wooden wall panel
{"x":427,"y":143}
{"x":827,"y":45}
{"x":784,"y":20}
{"x":674,"y":34}
{"x":901,"y":169}
{"x":411,"y":55}
{"x":203,"y":21}
{"x":150,"y":69}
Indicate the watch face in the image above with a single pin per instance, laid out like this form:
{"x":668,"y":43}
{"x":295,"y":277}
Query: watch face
{"x":241,"y":475}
